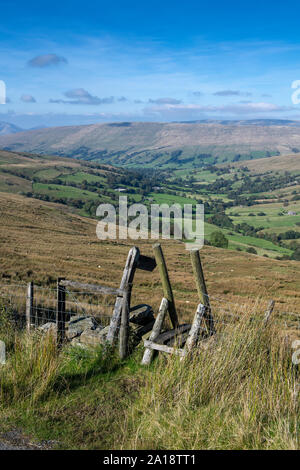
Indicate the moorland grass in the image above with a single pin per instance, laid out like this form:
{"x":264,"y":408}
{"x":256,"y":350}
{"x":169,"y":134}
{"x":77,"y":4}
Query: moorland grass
{"x":238,"y":393}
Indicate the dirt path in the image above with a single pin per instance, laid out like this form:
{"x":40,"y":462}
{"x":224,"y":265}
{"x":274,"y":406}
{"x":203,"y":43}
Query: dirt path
{"x":15,"y":440}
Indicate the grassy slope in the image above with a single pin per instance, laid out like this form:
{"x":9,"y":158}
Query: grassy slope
{"x":234,"y":400}
{"x":289,"y":162}
{"x":47,"y":168}
{"x":65,"y":244}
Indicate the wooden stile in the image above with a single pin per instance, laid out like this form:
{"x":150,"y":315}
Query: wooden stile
{"x":148,"y":354}
{"x":127,"y":278}
{"x":167,"y":288}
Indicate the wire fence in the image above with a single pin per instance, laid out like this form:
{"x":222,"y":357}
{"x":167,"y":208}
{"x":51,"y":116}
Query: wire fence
{"x":87,"y":314}
{"x":37,"y":308}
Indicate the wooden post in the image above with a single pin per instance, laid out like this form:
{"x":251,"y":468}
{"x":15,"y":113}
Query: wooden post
{"x":268,"y":312}
{"x":29,"y":306}
{"x":195,"y":329}
{"x":60,"y":312}
{"x":2,"y":353}
{"x":148,"y":354}
{"x":202,"y":290}
{"x":167,"y":289}
{"x":124,"y":329}
{"x":127,"y":278}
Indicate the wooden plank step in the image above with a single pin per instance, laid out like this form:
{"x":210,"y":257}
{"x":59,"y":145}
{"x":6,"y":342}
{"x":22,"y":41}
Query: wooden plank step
{"x":172,"y":334}
{"x":164,"y":348}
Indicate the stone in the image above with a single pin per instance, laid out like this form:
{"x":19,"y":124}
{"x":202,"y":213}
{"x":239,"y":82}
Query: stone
{"x":141,"y":314}
{"x":94,"y":337}
{"x":76,"y":342}
{"x":48,"y":327}
{"x":78,"y":324}
{"x":136,"y":333}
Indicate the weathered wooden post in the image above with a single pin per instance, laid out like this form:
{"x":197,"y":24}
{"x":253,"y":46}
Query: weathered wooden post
{"x":60,"y":312}
{"x":29,"y":306}
{"x":124,"y":327}
{"x":196,"y":326}
{"x":202,"y":290}
{"x":148,"y":354}
{"x":127,"y":278}
{"x":167,"y":289}
{"x":268,"y":312}
{"x":2,"y":353}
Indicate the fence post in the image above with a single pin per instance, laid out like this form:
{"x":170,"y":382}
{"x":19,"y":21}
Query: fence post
{"x":202,"y":290}
{"x":269,"y":311}
{"x":29,"y":306}
{"x":2,"y":353}
{"x":60,"y":312}
{"x":167,"y":288}
{"x":148,"y":353}
{"x":124,"y":327}
{"x":127,"y":278}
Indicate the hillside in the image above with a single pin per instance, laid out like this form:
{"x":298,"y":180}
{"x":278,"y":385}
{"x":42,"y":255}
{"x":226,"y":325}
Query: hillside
{"x":290,"y":162}
{"x":165,"y":145}
{"x":42,"y":240}
{"x":80,"y":185}
{"x":7,"y":128}
{"x":86,"y":399}
{"x":251,"y":212}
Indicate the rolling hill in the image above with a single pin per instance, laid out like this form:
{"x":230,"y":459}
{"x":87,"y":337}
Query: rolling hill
{"x":7,"y":128}
{"x":167,"y":145}
{"x":280,"y":163}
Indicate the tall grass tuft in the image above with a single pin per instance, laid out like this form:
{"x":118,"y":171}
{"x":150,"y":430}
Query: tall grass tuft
{"x":31,"y":370}
{"x":236,"y":394}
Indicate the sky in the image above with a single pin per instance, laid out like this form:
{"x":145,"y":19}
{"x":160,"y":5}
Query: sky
{"x":71,"y":62}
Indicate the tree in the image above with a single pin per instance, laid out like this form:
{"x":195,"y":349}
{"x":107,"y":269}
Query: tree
{"x":218,"y":239}
{"x":296,"y":255}
{"x":251,"y":250}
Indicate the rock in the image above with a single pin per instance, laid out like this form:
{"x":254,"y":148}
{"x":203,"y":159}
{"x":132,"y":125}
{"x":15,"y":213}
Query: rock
{"x":76,"y":342}
{"x":48,"y":327}
{"x":78,"y":324}
{"x":141,"y":314}
{"x":94,"y":337}
{"x":136,"y":333}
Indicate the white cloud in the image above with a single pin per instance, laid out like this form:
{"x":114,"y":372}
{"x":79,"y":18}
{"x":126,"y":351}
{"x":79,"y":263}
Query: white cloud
{"x":47,"y":60}
{"x":28,"y":99}
{"x":81,"y":96}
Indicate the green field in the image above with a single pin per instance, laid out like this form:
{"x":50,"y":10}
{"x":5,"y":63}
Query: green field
{"x":162,"y":198}
{"x":60,"y":191}
{"x":81,"y":176}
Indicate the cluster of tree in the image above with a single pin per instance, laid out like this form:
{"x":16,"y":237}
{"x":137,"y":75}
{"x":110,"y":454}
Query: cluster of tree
{"x":289,"y":235}
{"x":248,"y":184}
{"x":219,"y":240}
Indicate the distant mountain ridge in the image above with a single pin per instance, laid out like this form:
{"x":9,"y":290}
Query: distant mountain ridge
{"x":152,"y":144}
{"x":7,"y":128}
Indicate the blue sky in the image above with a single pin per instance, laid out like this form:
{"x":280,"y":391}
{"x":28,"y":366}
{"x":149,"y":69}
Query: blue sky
{"x":83,"y":62}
